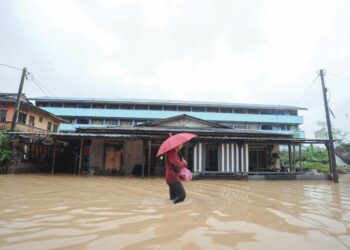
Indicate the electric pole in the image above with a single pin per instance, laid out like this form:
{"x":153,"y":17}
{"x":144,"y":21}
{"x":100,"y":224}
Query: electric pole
{"x":18,"y":101}
{"x":329,"y":127}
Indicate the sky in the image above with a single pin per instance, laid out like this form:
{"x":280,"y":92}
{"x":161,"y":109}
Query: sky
{"x":257,"y":51}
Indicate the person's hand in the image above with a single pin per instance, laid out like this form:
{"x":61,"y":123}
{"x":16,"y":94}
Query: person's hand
{"x":184,"y":160}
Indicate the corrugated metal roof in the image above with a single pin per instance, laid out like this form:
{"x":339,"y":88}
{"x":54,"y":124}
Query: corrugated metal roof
{"x":74,"y":127}
{"x":159,"y":102}
{"x":155,"y":114}
{"x":107,"y":135}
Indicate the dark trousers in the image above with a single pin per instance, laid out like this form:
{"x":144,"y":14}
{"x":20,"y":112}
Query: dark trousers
{"x":177,"y":192}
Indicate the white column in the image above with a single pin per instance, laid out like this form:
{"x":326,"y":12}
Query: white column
{"x":232,"y":158}
{"x":200,"y":157}
{"x":222,"y":157}
{"x":195,"y":167}
{"x":237,"y":159}
{"x":246,"y":158}
{"x":242,"y":158}
{"x":227,"y":157}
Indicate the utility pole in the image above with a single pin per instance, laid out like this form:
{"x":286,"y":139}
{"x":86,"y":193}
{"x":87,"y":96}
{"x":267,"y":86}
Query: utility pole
{"x":329,"y":127}
{"x":18,"y":101}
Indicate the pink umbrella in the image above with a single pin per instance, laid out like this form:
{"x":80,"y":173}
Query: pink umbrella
{"x":173,"y":141}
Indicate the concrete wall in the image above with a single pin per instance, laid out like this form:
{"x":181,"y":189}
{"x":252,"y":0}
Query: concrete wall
{"x":133,"y":155}
{"x":96,"y":153}
{"x":37,"y":114}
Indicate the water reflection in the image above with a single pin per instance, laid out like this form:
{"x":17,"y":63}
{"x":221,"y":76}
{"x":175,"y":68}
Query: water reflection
{"x":69,"y":212}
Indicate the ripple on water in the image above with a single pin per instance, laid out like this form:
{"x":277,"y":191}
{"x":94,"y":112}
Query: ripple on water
{"x":111,"y":213}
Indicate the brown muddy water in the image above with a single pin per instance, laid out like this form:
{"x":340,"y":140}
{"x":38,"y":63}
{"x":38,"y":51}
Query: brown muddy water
{"x":71,"y":212}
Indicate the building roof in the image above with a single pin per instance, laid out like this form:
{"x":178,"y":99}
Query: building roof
{"x":179,"y":117}
{"x":252,"y":139}
{"x":160,"y":102}
{"x":12,"y":97}
{"x":25,"y":103}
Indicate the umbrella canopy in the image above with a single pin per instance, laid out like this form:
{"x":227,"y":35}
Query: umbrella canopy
{"x":173,"y":141}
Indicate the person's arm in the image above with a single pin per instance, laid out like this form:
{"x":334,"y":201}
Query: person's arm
{"x":174,"y":159}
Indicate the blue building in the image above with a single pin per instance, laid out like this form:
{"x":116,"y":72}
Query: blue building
{"x":102,"y":112}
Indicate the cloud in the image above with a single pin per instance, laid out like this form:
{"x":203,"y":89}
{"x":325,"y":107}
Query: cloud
{"x":292,"y":32}
{"x":224,"y":75}
{"x":115,"y":70}
{"x":157,"y":12}
{"x":70,"y":17}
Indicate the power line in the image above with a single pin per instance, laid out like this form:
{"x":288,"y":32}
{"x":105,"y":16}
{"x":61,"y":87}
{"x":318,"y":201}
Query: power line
{"x":45,"y":90}
{"x":307,"y":90}
{"x":42,"y":86}
{"x":344,"y":77}
{"x":9,"y":66}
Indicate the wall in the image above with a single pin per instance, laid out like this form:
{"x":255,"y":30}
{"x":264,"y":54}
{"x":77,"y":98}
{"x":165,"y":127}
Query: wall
{"x":39,"y":125}
{"x":133,"y":155}
{"x":96,"y":153}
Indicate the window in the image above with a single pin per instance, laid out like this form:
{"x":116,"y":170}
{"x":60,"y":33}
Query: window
{"x":184,"y":108}
{"x":141,"y":107}
{"x":22,"y":118}
{"x":266,"y":127}
{"x":55,"y":128}
{"x":170,"y":108}
{"x":31,"y":121}
{"x":126,"y":106}
{"x":49,"y":126}
{"x":3,"y":114}
{"x":57,"y":104}
{"x":97,"y":121}
{"x":82,"y":121}
{"x":225,"y":110}
{"x":267,"y":111}
{"x":112,"y":106}
{"x":40,"y":119}
{"x":70,"y":105}
{"x":84,"y":105}
{"x":126,"y":123}
{"x":98,"y":105}
{"x":198,"y":109}
{"x":240,"y":111}
{"x":112,"y":122}
{"x":213,"y":109}
{"x":252,"y":111}
{"x":155,"y":107}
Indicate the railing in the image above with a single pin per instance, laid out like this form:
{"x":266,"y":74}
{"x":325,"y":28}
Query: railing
{"x":19,"y":127}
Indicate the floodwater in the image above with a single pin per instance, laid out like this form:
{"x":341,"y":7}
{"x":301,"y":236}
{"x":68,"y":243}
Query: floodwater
{"x":72,"y":212}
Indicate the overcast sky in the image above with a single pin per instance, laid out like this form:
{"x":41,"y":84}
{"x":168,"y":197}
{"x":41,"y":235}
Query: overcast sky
{"x":266,"y":51}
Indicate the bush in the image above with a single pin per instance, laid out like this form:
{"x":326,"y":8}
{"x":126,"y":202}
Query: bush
{"x":5,"y":152}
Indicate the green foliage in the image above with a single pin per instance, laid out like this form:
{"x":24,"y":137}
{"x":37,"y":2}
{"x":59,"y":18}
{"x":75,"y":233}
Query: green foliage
{"x":344,"y":146}
{"x":322,"y":133}
{"x":5,"y":151}
{"x":313,"y":158}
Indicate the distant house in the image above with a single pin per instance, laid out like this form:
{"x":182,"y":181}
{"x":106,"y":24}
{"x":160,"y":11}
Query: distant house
{"x":30,"y":118}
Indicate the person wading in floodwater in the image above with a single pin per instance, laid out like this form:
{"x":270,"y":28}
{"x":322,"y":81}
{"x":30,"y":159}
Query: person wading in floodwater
{"x":174,"y":163}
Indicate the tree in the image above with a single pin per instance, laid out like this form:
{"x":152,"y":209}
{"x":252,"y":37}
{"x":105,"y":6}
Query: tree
{"x":5,"y":152}
{"x":322,"y":133}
